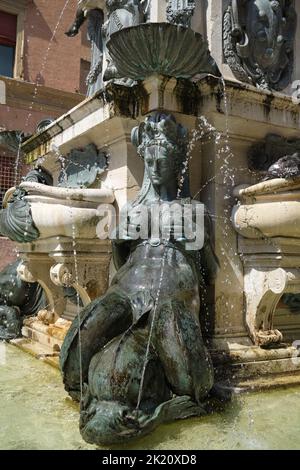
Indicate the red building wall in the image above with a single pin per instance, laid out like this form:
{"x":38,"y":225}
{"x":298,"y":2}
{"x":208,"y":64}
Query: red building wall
{"x":53,"y":62}
{"x":50,"y":84}
{"x":8,"y":252}
{"x":50,"y":59}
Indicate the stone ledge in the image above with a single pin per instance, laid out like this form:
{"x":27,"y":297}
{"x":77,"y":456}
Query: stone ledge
{"x":257,"y":365}
{"x":260,"y":384}
{"x":242,"y":355}
{"x":21,"y":94}
{"x":226,"y":386}
{"x":37,"y":350}
{"x":43,"y":339}
{"x":244,"y":92}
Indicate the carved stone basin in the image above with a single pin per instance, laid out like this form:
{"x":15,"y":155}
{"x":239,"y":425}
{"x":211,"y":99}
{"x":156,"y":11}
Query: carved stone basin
{"x":160,"y":48}
{"x":268,"y":209}
{"x":65,"y":211}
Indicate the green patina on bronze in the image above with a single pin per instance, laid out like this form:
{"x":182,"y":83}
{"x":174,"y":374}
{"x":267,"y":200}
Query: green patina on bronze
{"x":11,"y":140}
{"x":120,"y":14}
{"x":160,"y":48}
{"x":16,"y":222}
{"x":18,"y":299}
{"x":151,"y":309}
{"x":82,"y":167}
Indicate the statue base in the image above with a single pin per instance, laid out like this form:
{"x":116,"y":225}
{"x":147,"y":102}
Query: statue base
{"x":239,"y":114}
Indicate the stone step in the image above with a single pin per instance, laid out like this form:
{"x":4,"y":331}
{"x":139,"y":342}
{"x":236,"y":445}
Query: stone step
{"x":54,"y":344}
{"x":252,"y":362}
{"x":52,"y":361}
{"x":260,"y":383}
{"x":258,"y":369}
{"x":40,"y":351}
{"x":252,"y":354}
{"x":266,"y":382}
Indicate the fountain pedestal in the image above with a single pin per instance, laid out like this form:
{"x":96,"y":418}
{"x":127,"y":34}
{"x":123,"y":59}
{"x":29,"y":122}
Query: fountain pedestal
{"x":52,"y":263}
{"x":107,"y":119}
{"x":271,"y":269}
{"x":267,"y":220}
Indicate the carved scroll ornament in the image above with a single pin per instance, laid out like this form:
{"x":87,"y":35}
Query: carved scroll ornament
{"x":259,"y":41}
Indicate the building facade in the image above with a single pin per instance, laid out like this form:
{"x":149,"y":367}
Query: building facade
{"x":42,"y":75}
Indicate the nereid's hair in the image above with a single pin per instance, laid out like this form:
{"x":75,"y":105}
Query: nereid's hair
{"x":162,"y":130}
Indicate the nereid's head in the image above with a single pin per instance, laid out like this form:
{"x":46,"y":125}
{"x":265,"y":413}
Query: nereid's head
{"x":162,"y":143}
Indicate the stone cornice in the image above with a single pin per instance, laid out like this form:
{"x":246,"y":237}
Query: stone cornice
{"x":242,"y":92}
{"x":21,"y":94}
{"x":116,"y":101}
{"x":13,"y":7}
{"x":158,"y":92}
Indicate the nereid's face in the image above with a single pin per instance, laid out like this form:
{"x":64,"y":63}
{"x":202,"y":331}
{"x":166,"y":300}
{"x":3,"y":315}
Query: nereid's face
{"x":160,"y":165}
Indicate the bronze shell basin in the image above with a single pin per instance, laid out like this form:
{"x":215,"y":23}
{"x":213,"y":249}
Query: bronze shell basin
{"x":160,"y":48}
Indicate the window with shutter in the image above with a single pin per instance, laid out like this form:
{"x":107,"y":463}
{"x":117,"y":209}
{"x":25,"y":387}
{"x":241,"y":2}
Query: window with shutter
{"x":8,"y":35}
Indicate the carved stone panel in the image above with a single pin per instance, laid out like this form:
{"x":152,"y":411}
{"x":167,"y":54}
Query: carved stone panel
{"x":82,"y":166}
{"x":259,"y":41}
{"x":180,"y":12}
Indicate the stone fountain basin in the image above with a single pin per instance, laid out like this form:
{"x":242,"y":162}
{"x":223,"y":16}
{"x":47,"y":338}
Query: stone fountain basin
{"x":66,"y":212}
{"x":268,"y":210}
{"x":160,"y":48}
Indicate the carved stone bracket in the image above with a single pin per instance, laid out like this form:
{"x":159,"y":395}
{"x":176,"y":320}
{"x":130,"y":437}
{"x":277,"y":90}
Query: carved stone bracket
{"x":63,"y":275}
{"x":25,"y":274}
{"x":52,"y":264}
{"x":87,"y":274}
{"x":263,"y":290}
{"x":39,"y":272}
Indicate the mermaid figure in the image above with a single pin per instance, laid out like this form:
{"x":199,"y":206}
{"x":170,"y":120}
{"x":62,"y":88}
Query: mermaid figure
{"x":142,"y":360}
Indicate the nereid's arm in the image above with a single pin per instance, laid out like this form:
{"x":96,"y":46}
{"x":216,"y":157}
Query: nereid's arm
{"x":78,"y":22}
